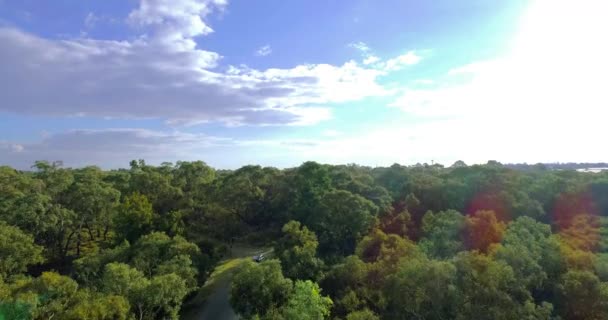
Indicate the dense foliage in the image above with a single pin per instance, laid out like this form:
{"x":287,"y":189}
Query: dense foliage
{"x":350,"y":242}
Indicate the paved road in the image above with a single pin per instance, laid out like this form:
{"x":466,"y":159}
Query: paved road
{"x":217,"y":306}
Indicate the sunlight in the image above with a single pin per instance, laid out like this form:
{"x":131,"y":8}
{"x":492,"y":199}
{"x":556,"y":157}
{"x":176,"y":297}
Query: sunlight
{"x":561,"y":52}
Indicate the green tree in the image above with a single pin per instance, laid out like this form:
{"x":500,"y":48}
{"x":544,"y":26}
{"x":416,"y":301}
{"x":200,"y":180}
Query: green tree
{"x":346,"y":283}
{"x":306,"y":303}
{"x":53,"y":295}
{"x":56,"y":179}
{"x":257,"y":288}
{"x":532,"y":253}
{"x":17,"y":250}
{"x":161,"y":296}
{"x":164,"y":296}
{"x":488,"y":289}
{"x":123,"y":280}
{"x":156,"y":183}
{"x":582,"y":296}
{"x":364,"y":314}
{"x":153,"y":254}
{"x":156,"y":249}
{"x":134,"y":217}
{"x":99,"y":306}
{"x":94,"y":201}
{"x":341,"y":220}
{"x":422,"y":289}
{"x":307,"y":185}
{"x":192,"y":177}
{"x":442,"y":234}
{"x":297,"y":250}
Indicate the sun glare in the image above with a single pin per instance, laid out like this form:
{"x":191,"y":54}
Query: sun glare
{"x":560,"y":51}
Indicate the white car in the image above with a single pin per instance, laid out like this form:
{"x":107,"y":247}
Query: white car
{"x":259,"y":258}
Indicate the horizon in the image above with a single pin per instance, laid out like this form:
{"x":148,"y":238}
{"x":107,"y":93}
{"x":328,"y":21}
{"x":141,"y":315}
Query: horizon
{"x":279,"y":84}
{"x":578,"y":166}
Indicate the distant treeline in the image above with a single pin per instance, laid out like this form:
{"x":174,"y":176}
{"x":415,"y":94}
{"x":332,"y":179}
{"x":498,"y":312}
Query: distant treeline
{"x":556,"y":166}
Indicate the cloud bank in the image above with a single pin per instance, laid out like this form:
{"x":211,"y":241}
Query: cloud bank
{"x":164,"y":74}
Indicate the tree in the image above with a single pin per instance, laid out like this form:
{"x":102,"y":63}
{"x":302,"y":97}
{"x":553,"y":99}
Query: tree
{"x":358,"y":180}
{"x":396,"y":223}
{"x":378,"y":247}
{"x":160,"y":296}
{"x":17,"y":251}
{"x":341,"y":219}
{"x":153,"y":254}
{"x":257,"y":288}
{"x":306,"y":303}
{"x":442,"y":234}
{"x":54,"y":295}
{"x":156,"y":250}
{"x":583,"y":233}
{"x":345,"y":276}
{"x":422,"y":289}
{"x":395,"y":179}
{"x":248,"y":195}
{"x":49,"y":223}
{"x":459,"y":164}
{"x":364,"y":314}
{"x":157,"y":185}
{"x":99,"y":306}
{"x":134,"y":217}
{"x":123,"y":280}
{"x":297,"y":251}
{"x":56,"y":179}
{"x":488,"y":289}
{"x":193,"y":177}
{"x":307,"y":185}
{"x":482,"y":230}
{"x":164,"y":296}
{"x":582,"y":296}
{"x":94,"y":201}
{"x":533,"y":254}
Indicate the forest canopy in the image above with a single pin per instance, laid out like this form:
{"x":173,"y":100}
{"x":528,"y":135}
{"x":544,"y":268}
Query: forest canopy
{"x":349,"y":242}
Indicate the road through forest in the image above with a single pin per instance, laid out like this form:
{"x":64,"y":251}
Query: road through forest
{"x":213,"y":300}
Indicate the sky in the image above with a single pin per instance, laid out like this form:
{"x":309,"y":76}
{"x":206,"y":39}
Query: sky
{"x":277,"y":83}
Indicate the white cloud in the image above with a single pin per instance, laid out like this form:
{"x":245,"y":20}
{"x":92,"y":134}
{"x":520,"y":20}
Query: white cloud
{"x":370,"y":60}
{"x":331,"y":133}
{"x":90,"y":20}
{"x":399,"y":62}
{"x":389,"y":65}
{"x":10,"y":148}
{"x":263,"y":51}
{"x":424,"y":81}
{"x":361,"y":46}
{"x":141,"y":79}
{"x":176,"y":20}
{"x":16,"y":148}
{"x":163,"y":74}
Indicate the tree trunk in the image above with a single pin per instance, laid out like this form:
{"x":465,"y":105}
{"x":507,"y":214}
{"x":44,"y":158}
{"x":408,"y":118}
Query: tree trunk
{"x":67,"y":244}
{"x":91,"y":237}
{"x":79,"y":240}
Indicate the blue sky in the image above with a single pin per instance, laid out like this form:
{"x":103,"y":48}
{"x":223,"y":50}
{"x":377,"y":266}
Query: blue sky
{"x":281,"y":82}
